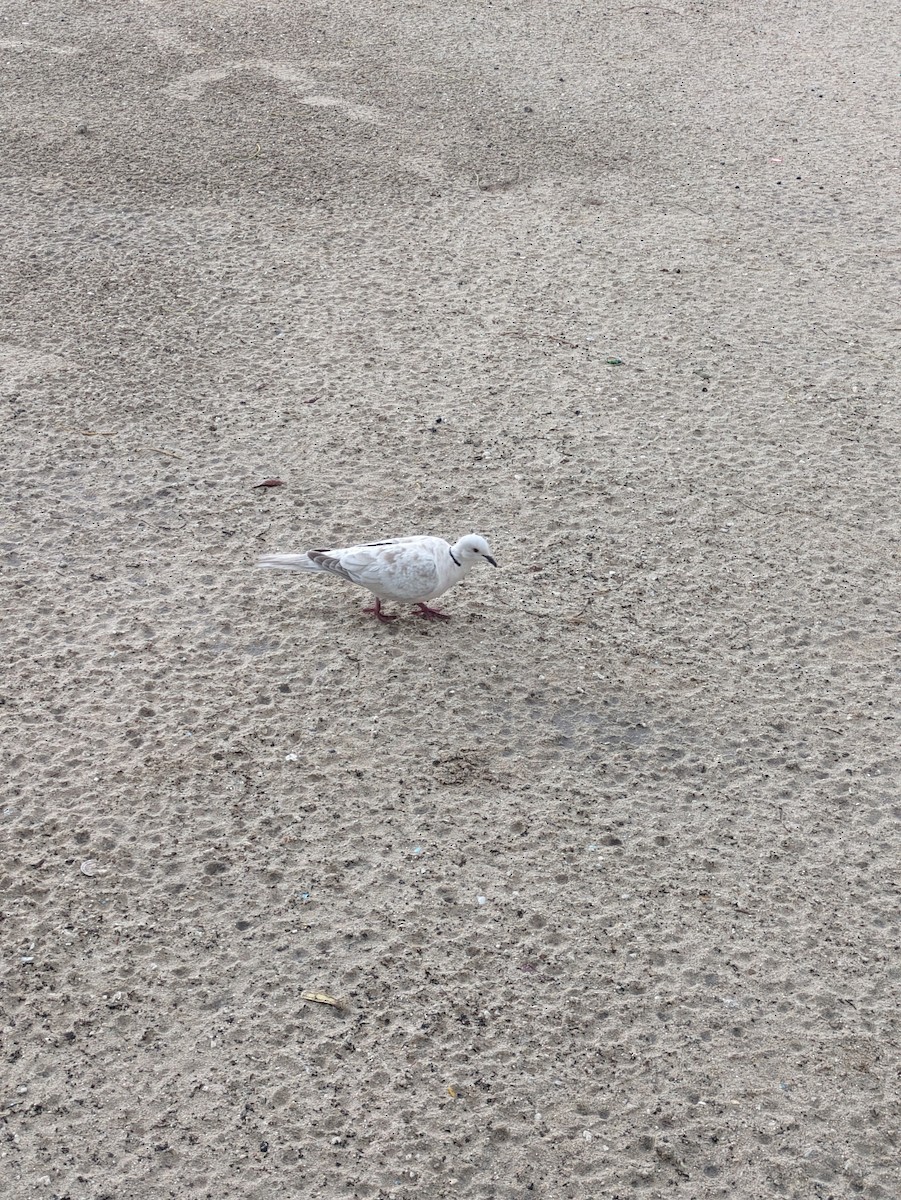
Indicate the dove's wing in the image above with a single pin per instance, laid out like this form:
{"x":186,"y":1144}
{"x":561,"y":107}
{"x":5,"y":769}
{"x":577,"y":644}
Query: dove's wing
{"x":404,"y":569}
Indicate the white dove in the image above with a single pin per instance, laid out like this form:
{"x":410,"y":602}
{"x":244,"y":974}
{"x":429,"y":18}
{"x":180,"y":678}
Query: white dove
{"x":409,"y":570}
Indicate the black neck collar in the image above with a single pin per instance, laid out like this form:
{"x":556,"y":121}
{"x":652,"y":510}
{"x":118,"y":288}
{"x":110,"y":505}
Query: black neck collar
{"x":456,"y":560}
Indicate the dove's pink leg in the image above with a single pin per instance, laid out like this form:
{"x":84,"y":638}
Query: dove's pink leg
{"x":431,"y":614}
{"x":376,"y":610}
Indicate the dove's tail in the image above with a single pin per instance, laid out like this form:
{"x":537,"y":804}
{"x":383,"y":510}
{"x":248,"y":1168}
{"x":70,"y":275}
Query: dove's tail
{"x":288,"y":562}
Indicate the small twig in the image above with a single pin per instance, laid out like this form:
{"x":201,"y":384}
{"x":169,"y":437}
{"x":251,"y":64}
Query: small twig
{"x":547,"y":337}
{"x":160,"y":450}
{"x":678,"y":204}
{"x":788,"y":510}
{"x":781,"y":512}
{"x":501,"y":185}
{"x":782,"y":820}
{"x":562,"y":616}
{"x":647,"y":8}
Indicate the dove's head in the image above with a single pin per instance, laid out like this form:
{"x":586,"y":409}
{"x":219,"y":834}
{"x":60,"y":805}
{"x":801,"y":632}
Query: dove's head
{"x":471,"y":549}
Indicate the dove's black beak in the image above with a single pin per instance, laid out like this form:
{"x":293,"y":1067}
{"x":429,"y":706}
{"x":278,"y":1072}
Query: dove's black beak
{"x":488,"y":558}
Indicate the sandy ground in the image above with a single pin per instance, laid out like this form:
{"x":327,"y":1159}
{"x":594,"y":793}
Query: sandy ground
{"x":386,"y":252}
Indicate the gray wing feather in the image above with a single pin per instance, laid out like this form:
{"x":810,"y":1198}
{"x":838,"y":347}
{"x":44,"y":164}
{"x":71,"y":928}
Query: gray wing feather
{"x":328,"y":562}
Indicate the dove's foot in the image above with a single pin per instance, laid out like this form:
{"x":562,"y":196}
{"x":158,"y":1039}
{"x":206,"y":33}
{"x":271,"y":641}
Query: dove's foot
{"x":376,"y":610}
{"x":431,"y":614}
